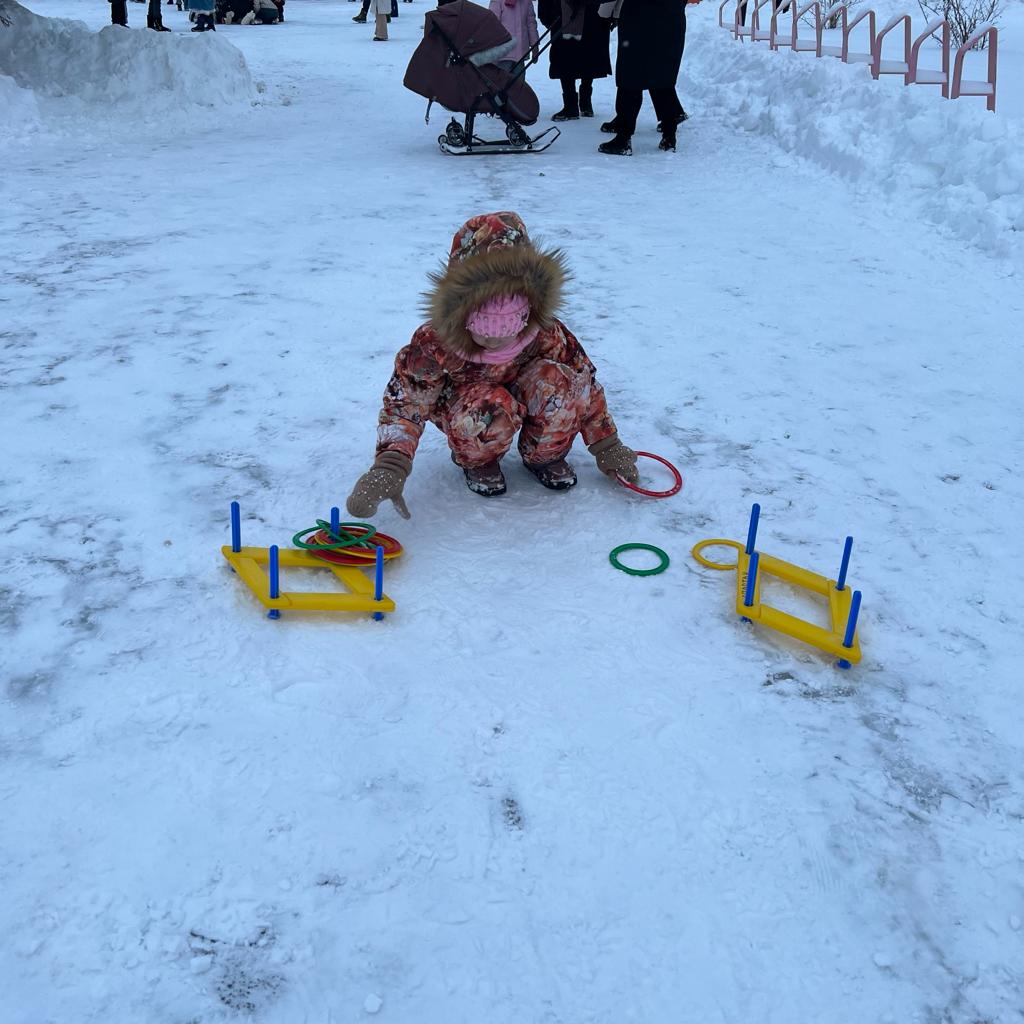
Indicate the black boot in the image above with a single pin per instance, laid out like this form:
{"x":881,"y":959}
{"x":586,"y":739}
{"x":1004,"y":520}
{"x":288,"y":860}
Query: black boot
{"x":570,"y":102}
{"x":680,"y":118}
{"x":668,"y":141}
{"x":619,"y":146}
{"x":156,"y":24}
{"x":610,"y":128}
{"x":569,"y":111}
{"x":586,"y":99}
{"x":360,"y":18}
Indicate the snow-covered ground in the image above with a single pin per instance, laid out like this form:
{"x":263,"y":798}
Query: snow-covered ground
{"x":542,"y":791}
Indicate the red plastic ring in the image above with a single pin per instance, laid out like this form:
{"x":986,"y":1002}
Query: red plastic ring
{"x":348,"y":556}
{"x":678,"y":486}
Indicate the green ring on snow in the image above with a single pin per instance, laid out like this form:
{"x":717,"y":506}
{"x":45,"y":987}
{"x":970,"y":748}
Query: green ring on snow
{"x":613,"y":557}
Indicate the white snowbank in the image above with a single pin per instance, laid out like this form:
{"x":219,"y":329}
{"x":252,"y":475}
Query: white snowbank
{"x":19,"y":112}
{"x":51,"y":68}
{"x":951,"y":162}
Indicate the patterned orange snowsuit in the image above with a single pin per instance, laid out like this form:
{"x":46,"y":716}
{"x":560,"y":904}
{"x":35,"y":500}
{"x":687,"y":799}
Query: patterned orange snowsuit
{"x":549,"y":392}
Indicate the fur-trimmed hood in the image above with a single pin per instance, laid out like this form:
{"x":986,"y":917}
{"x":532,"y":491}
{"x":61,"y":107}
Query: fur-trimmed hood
{"x":492,"y":255}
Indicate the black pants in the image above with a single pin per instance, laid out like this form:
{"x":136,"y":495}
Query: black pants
{"x":569,"y":90}
{"x":628,"y":103}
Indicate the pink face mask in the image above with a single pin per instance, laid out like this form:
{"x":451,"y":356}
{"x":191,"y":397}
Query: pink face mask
{"x":504,"y":316}
{"x":508,"y":352}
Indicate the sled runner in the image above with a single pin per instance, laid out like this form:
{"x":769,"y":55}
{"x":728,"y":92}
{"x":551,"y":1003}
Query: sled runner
{"x":459,"y":140}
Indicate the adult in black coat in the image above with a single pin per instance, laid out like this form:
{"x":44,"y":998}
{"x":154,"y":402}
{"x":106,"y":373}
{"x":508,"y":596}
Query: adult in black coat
{"x":576,"y":59}
{"x":652,"y":34}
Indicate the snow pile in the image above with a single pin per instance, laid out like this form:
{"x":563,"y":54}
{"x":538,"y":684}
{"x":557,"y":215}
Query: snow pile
{"x":951,"y":162}
{"x":50,"y":67}
{"x":19,"y":112}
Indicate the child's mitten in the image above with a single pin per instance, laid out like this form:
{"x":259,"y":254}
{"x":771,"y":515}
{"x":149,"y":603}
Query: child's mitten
{"x":614,"y":458}
{"x":385,"y":480}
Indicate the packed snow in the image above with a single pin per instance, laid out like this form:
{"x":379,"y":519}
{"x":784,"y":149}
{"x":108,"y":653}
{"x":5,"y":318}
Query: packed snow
{"x":542,"y":790}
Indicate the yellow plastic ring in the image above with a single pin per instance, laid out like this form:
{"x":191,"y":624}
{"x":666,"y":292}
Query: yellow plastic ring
{"x":715,"y":541}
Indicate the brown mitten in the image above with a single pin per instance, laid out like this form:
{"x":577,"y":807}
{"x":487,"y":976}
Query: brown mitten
{"x":385,"y":480}
{"x":615,"y":459}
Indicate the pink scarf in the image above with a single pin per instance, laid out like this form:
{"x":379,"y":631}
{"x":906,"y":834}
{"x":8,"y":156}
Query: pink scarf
{"x":509,"y":352}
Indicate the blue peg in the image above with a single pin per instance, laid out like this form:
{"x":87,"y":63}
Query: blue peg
{"x":275,"y":581}
{"x":236,"y":527}
{"x":748,"y":597}
{"x":851,"y":627}
{"x":378,"y":581}
{"x":847,"y":549}
{"x":336,"y":521}
{"x":755,"y":515}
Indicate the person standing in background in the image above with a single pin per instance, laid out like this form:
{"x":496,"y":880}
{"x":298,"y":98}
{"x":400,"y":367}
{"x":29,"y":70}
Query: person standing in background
{"x":580,"y":53}
{"x":521,"y":23}
{"x":383,"y":14}
{"x":652,"y":34}
{"x":155,"y":17}
{"x":360,"y":18}
{"x":204,"y":11}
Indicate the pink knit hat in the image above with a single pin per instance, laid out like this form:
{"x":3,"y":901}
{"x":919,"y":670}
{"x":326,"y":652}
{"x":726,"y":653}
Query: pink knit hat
{"x":504,"y":316}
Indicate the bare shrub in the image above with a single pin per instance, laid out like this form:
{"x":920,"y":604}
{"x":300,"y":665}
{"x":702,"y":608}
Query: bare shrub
{"x":830,"y":14}
{"x":964,"y":16}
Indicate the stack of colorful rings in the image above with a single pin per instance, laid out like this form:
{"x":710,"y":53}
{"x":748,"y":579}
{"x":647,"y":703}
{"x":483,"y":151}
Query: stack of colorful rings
{"x":349,"y":544}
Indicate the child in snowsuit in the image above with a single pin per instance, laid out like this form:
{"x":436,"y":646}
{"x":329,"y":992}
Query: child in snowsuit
{"x":492,"y":360}
{"x":518,"y":18}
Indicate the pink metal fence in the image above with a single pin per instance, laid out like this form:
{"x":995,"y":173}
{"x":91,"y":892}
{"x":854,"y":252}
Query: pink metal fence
{"x":986,"y":88}
{"x":929,"y":76}
{"x":777,"y":35}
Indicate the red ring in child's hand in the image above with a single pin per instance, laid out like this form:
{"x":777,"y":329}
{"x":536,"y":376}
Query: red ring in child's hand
{"x":675,"y":489}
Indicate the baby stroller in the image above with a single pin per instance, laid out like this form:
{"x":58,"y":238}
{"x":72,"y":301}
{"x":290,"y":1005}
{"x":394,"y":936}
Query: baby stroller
{"x":456,"y":65}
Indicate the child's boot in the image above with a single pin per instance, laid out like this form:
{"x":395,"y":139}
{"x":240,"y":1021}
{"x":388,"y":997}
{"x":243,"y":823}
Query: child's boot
{"x":487,"y":480}
{"x":557,"y":475}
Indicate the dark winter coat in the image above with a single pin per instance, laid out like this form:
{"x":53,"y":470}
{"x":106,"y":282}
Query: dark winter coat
{"x":578,"y":58}
{"x":651,"y":38}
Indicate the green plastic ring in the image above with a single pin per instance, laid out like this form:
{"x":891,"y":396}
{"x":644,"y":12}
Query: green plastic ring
{"x":350,"y":542}
{"x":613,"y":557}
